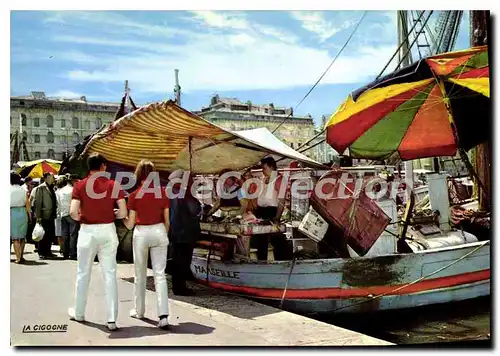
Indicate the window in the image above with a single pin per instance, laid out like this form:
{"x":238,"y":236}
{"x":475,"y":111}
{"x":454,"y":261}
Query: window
{"x":76,"y":138}
{"x":11,"y":120}
{"x":74,"y":123}
{"x":50,"y":121}
{"x":37,"y":154}
{"x":64,"y":139}
{"x":23,"y":118}
{"x":86,"y":125}
{"x":51,"y":153}
{"x":37,"y":138}
{"x":36,"y":122}
{"x":98,"y":123}
{"x":25,"y":136}
{"x":63,"y":123}
{"x":21,"y":103}
{"x":50,"y":137}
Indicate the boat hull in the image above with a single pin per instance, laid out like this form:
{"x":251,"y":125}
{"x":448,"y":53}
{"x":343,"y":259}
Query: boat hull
{"x":358,"y":284}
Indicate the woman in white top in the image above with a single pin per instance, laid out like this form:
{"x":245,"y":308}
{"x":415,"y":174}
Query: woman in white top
{"x":19,"y":214}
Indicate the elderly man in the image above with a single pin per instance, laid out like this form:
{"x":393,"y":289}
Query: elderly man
{"x":45,"y":203}
{"x":184,"y":231}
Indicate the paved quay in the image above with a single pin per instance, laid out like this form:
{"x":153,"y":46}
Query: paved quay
{"x":41,"y":292}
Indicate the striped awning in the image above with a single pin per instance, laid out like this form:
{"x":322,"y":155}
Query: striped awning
{"x":161,"y":132}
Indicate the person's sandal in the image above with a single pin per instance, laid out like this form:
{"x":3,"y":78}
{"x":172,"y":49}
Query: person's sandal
{"x":112,"y":326}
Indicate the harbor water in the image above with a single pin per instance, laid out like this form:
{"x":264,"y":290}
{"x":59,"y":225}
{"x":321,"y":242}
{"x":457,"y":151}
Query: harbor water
{"x":458,"y":322}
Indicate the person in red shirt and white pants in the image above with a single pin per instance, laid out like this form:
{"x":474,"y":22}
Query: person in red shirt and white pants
{"x":149,"y":211}
{"x":93,"y":204}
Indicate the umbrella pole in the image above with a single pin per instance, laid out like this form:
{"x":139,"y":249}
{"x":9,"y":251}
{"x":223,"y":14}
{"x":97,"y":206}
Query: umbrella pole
{"x":472,"y":171}
{"x":461,"y":151}
{"x":190,"y":155}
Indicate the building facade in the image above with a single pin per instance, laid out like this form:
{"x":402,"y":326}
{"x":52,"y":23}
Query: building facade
{"x":235,"y":115}
{"x":52,"y":126}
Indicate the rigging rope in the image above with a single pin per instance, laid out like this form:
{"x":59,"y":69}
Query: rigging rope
{"x":324,"y":73}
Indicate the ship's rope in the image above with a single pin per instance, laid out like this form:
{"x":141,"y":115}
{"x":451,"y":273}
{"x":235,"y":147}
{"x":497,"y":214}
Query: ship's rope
{"x":324,"y":73}
{"x":288,"y":280}
{"x":415,"y":281}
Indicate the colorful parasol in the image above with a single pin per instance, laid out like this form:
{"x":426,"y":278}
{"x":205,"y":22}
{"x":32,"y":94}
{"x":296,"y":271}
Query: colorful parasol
{"x":36,"y":169}
{"x":431,"y":108}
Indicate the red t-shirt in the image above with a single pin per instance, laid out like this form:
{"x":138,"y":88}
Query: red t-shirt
{"x":148,"y":208}
{"x":97,"y":210}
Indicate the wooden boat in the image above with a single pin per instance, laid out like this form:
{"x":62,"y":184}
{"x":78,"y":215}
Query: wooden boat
{"x":365,"y":284}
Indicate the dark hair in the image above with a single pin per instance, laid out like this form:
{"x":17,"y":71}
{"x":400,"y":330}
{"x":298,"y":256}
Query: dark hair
{"x":70,"y":178}
{"x":269,"y":161}
{"x":144,"y":167}
{"x":61,"y":182}
{"x":28,"y":180}
{"x":15,"y":178}
{"x":95,"y":161}
{"x":42,"y":180}
{"x":45,"y":175}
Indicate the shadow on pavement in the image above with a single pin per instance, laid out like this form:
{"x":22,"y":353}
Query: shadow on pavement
{"x":210,"y":298}
{"x":31,"y":263}
{"x":184,"y":328}
{"x":136,"y":331}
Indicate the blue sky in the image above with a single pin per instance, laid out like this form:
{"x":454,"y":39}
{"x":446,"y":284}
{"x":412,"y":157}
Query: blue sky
{"x":262,"y":56}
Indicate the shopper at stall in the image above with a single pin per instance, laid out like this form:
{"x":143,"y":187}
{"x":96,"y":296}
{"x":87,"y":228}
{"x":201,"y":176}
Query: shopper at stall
{"x":185,"y":230}
{"x":149,"y":213}
{"x":93,"y":202}
{"x":46,"y":213}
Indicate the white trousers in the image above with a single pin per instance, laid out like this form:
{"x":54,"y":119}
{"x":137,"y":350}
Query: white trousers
{"x":100,"y":239}
{"x":152,"y":239}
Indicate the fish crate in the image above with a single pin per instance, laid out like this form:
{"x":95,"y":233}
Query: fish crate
{"x":313,"y":225}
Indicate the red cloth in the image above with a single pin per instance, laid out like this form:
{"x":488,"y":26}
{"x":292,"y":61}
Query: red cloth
{"x":97,"y":210}
{"x":148,"y":208}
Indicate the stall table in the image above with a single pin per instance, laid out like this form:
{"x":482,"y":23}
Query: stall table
{"x":238,"y":235}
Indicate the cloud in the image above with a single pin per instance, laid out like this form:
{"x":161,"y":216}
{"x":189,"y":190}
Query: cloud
{"x":315,"y":22}
{"x":279,"y":34}
{"x":68,"y":94}
{"x":235,"y":64}
{"x":244,"y":56}
{"x":114,"y":42}
{"x":111,"y":22}
{"x":221,"y":20}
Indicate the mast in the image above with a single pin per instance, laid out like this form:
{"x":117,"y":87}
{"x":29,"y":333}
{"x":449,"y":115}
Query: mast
{"x":403,"y":38}
{"x":20,"y":137}
{"x":177,"y":88}
{"x":479,"y":37}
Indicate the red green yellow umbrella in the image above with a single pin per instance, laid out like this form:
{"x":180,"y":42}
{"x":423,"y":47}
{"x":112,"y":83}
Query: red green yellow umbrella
{"x":431,"y":108}
{"x":36,"y":169}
